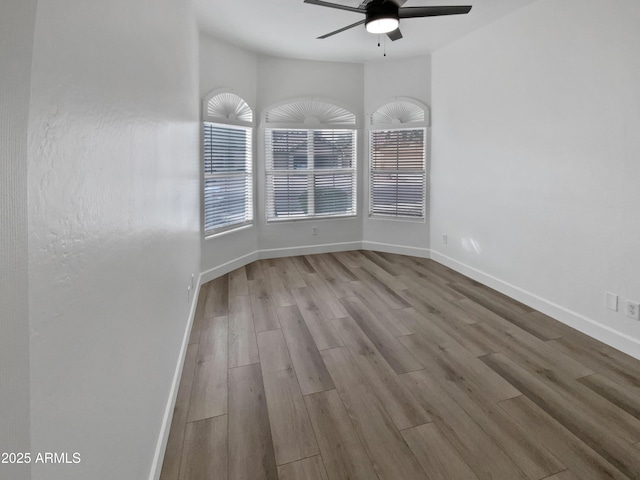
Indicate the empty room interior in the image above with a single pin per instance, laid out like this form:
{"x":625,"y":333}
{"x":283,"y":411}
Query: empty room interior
{"x":308,"y":240}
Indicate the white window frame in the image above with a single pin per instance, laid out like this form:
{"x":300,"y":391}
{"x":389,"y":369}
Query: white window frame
{"x":225,"y":110}
{"x":398,"y":115}
{"x":311,"y":115}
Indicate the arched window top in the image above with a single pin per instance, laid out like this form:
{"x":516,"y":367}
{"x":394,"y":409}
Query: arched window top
{"x":224,"y":106}
{"x":309,"y":112}
{"x":401,"y":112}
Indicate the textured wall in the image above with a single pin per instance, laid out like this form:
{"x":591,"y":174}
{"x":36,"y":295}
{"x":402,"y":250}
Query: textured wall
{"x":113,"y":226}
{"x":535,"y":157}
{"x":16,"y":37}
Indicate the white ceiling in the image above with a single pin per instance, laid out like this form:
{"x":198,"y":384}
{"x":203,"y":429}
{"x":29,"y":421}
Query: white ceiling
{"x":289,"y":28}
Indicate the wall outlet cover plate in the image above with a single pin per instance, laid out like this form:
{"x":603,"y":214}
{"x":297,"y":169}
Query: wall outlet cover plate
{"x":611,"y":301}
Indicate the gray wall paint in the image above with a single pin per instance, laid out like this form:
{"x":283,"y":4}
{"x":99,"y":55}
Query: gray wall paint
{"x":17,"y":21}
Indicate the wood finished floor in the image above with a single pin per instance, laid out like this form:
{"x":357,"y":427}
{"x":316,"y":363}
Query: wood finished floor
{"x":364,"y":366}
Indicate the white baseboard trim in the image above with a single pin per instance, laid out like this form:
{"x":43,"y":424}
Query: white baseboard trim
{"x":156,"y":466}
{"x":586,"y":325}
{"x":229,"y":266}
{"x":308,"y":249}
{"x":398,"y":249}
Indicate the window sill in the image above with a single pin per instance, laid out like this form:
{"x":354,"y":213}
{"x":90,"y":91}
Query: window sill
{"x":393,"y":218}
{"x":311,"y":219}
{"x":240,"y":228}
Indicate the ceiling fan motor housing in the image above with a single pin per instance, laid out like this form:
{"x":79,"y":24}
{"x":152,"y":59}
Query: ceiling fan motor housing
{"x":381,"y":10}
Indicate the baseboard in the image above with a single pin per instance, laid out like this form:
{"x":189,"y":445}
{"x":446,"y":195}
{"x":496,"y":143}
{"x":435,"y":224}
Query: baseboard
{"x":156,"y":466}
{"x":398,"y":249}
{"x":229,"y":266}
{"x":308,"y":249}
{"x":586,"y":325}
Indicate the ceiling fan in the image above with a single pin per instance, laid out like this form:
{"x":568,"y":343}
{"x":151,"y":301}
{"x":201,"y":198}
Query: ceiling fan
{"x":383,"y":16}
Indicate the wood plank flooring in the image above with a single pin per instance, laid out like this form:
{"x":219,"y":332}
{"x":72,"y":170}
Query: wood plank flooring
{"x":372,"y":366}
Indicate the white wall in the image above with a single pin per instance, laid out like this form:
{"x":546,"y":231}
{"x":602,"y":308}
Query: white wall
{"x":282,"y":79}
{"x":226,"y":66}
{"x":535,"y":159}
{"x":113,"y":195}
{"x":223,"y":65}
{"x":384,"y":80}
{"x":17,"y":21}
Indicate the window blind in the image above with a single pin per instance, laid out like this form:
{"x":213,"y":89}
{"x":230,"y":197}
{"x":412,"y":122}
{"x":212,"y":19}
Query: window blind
{"x":310,"y":173}
{"x":397,"y":173}
{"x":228,"y":184}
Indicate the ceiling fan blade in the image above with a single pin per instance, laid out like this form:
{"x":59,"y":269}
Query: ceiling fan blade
{"x":413,"y":12}
{"x":365,"y":3}
{"x":395,"y":35}
{"x":335,"y":5}
{"x":342,"y":29}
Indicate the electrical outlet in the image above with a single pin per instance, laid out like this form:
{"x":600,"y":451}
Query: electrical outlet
{"x":633,"y":310}
{"x":314,"y":230}
{"x":445,"y":239}
{"x":611,"y":301}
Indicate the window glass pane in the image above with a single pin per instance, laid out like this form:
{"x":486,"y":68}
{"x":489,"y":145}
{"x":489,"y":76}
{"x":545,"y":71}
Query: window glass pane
{"x":228,"y":184}
{"x":289,"y":194}
{"x":395,"y":149}
{"x":333,"y":148}
{"x":226,"y":201}
{"x":398,"y":174}
{"x":398,"y":194}
{"x":334,"y":194}
{"x":225,"y":149}
{"x":290,"y":149}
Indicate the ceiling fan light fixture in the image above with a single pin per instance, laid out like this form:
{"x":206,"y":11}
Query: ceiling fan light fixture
{"x":382,"y":25}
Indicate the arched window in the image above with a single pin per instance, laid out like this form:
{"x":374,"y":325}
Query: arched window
{"x":227,"y":154}
{"x":310,"y":150}
{"x":397,"y":159}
